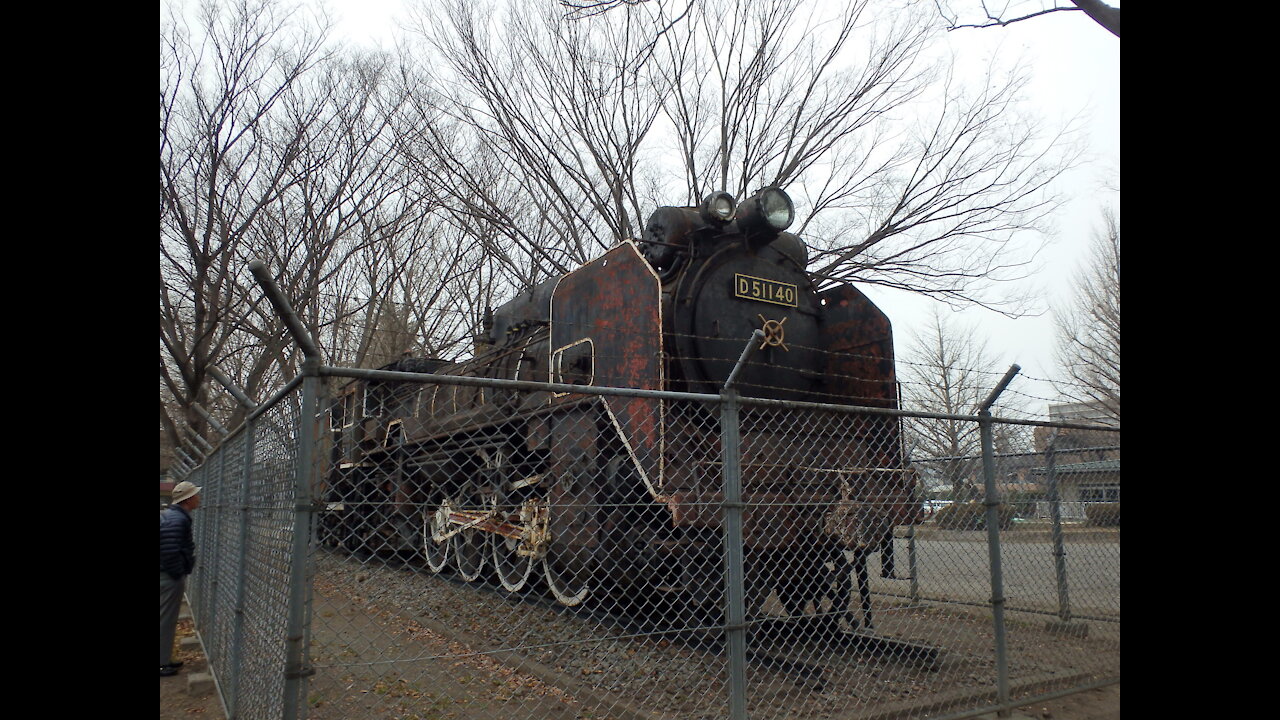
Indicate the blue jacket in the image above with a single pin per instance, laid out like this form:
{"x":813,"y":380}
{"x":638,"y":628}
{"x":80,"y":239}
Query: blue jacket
{"x":177,"y":547}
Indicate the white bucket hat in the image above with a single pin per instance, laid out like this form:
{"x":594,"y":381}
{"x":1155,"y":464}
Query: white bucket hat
{"x":184,"y":490}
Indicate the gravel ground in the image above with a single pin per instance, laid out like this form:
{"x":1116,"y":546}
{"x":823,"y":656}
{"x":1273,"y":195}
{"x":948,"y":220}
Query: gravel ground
{"x":407,"y":644}
{"x":390,"y":643}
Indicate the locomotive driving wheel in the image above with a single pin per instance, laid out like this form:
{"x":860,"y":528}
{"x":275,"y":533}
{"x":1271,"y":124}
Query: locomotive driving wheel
{"x":569,"y":564}
{"x":513,"y":568}
{"x":435,"y":546}
{"x":568,"y":575}
{"x":509,"y":507}
{"x":471,"y":546}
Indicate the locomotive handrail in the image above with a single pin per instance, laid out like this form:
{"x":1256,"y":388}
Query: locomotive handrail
{"x":401,"y":376}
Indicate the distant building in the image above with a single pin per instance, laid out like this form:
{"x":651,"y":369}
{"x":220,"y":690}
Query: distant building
{"x":1090,"y":413}
{"x":1086,"y":465}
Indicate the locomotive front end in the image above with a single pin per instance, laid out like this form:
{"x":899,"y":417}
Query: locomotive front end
{"x":727,"y":275}
{"x":817,"y":483}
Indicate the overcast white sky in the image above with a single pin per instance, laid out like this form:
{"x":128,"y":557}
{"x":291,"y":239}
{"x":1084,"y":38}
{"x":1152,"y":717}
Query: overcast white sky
{"x":1075,"y":68}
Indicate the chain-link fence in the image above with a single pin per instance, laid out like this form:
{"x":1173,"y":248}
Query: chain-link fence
{"x":553,"y":552}
{"x":241,"y":591}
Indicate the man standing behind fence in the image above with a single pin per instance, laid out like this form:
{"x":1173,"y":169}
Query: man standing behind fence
{"x":177,"y":558}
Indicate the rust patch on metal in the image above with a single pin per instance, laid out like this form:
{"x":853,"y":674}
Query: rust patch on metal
{"x":615,"y":301}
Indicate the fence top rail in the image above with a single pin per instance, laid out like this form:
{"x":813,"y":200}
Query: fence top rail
{"x":400,"y":376}
{"x":254,"y":414}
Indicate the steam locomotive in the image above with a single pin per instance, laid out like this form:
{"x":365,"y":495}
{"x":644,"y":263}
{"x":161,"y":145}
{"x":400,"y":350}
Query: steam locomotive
{"x":620,"y":497}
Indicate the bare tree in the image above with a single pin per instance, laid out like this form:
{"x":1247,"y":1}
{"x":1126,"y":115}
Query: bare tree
{"x":949,"y":369}
{"x":484,"y":198}
{"x":221,"y":78}
{"x":274,"y":146}
{"x":1001,"y":14}
{"x":555,"y":110}
{"x":904,"y":177}
{"x":993,"y":14}
{"x":395,"y":198}
{"x":1088,"y":350}
{"x":910,"y":180}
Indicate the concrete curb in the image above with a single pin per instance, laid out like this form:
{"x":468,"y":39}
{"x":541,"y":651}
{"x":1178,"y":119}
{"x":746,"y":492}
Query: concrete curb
{"x":199,"y":684}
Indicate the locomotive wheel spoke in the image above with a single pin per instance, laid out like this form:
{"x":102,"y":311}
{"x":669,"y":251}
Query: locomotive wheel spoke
{"x":513,"y":570}
{"x":470,"y":548}
{"x":435,"y":523}
{"x":568,"y":579}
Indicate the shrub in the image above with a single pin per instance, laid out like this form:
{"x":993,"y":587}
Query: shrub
{"x":971,"y":516}
{"x":1023,"y":504}
{"x":1103,"y":514}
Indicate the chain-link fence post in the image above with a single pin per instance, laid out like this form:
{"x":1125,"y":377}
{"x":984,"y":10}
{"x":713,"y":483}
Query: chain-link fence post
{"x":297,"y":634}
{"x":213,"y":422}
{"x":913,"y":563}
{"x":992,"y":502}
{"x":735,"y":620}
{"x":206,"y":449}
{"x":297,"y":667}
{"x":192,"y":463}
{"x":242,"y":564}
{"x":735,"y":576}
{"x":198,"y":580}
{"x":217,"y":509}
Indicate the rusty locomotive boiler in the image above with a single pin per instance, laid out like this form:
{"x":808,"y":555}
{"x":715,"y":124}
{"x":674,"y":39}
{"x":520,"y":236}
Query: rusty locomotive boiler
{"x":612,"y":496}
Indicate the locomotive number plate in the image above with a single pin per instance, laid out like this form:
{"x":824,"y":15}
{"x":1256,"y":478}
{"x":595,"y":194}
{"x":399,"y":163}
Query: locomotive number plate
{"x":770,"y":291}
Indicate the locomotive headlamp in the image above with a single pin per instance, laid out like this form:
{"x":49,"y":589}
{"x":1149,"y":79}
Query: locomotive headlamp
{"x":718,"y":207}
{"x":776,"y":207}
{"x":768,"y":212}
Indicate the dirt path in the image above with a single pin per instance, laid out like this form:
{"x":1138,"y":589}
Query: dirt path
{"x":175,"y":702}
{"x":439,"y":678}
